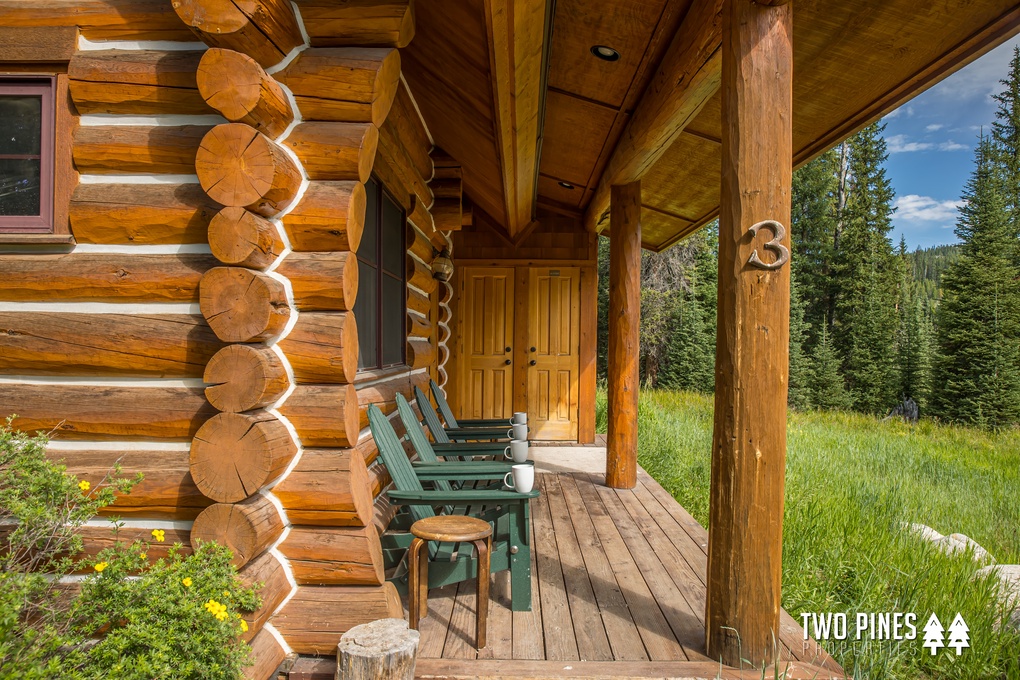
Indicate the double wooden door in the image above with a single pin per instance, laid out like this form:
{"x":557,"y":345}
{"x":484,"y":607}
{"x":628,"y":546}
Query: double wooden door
{"x":519,"y":346}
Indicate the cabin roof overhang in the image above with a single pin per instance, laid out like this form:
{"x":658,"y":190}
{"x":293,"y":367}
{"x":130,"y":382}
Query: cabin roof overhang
{"x":542,"y":125}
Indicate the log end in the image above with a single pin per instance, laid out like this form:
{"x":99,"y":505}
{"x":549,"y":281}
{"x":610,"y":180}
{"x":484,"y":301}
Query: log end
{"x":241,"y":305}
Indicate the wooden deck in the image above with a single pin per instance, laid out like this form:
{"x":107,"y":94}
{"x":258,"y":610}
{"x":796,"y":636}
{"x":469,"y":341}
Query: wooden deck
{"x":618,"y":580}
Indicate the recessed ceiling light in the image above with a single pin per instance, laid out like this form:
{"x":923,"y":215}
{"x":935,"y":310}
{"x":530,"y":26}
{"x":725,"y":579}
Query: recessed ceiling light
{"x":566,"y":185}
{"x":605,"y":53}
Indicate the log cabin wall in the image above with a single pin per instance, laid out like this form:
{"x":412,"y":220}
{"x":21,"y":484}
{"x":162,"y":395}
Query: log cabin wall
{"x":200,"y":329}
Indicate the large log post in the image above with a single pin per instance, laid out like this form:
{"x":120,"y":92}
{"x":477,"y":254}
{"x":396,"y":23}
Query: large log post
{"x":624,"y":335}
{"x":749,"y":441}
{"x":330,"y":216}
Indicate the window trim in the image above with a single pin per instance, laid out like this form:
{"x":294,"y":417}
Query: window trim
{"x":46,"y":87}
{"x":381,"y":274}
{"x":64,"y":121}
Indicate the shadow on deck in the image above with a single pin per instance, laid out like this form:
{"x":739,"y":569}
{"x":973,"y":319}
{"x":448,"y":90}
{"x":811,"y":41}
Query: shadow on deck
{"x":618,"y":581}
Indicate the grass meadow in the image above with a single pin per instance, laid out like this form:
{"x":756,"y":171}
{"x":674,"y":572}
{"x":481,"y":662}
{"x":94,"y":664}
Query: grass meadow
{"x":851,"y":481}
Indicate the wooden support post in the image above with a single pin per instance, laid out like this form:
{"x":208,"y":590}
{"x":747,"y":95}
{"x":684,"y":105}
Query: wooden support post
{"x":624,"y":336}
{"x":749,"y":441}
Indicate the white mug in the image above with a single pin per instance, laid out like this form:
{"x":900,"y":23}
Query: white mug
{"x":519,"y":418}
{"x":523,"y":478}
{"x":518,"y":431}
{"x":518,"y":450}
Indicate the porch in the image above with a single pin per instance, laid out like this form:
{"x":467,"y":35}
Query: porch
{"x":618,"y":583}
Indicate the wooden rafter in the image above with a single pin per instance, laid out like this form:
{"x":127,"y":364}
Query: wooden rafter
{"x":688,"y":76}
{"x":517,"y":39}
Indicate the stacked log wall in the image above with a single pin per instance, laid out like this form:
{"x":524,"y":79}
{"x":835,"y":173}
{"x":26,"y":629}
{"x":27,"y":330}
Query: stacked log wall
{"x":201,"y":330}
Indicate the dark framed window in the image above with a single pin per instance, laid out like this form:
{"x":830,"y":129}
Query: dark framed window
{"x":381,"y":306}
{"x":27,"y":131}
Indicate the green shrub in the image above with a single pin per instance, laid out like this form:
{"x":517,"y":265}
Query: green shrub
{"x":178,"y":617}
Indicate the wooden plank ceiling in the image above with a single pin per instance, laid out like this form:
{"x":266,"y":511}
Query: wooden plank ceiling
{"x":853,"y":63}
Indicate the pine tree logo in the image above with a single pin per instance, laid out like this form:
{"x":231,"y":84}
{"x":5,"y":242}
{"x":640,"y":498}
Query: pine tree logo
{"x":959,"y":634}
{"x":933,"y":635}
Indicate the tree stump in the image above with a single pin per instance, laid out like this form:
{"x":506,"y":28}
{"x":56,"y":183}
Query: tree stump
{"x":380,"y":650}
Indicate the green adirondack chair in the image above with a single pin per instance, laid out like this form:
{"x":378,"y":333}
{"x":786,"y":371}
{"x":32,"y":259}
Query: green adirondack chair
{"x":465,"y":429}
{"x":444,"y":445}
{"x":450,"y":563}
{"x":451,"y":420}
{"x":428,"y":453}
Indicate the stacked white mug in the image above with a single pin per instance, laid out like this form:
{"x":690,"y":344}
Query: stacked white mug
{"x":522,"y":473}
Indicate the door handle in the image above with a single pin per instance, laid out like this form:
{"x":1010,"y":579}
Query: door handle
{"x":508,"y":349}
{"x":532,"y":349}
{"x":532,"y":362}
{"x":508,"y":362}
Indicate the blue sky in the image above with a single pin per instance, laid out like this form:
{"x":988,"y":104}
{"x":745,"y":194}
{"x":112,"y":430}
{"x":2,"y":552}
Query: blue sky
{"x":931,"y":143}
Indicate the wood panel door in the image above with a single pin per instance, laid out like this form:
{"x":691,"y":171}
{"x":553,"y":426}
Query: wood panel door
{"x":553,"y":355}
{"x":485,"y":347}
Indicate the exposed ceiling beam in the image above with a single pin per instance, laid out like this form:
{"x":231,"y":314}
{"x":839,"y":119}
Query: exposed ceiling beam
{"x":688,"y":76}
{"x":517,"y":53}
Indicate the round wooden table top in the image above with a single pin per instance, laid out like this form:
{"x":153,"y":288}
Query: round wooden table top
{"x":452,"y":528}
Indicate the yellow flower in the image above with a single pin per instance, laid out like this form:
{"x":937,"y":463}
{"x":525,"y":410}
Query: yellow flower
{"x":144,"y":556}
{"x":100,"y":566}
{"x":226,"y":593}
{"x":84,"y":485}
{"x":244,"y":626}
{"x":186,"y":581}
{"x":159,"y":535}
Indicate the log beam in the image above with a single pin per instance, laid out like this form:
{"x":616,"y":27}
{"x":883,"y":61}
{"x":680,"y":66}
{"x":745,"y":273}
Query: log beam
{"x":687,"y":78}
{"x":347,"y":84}
{"x":247,"y":528}
{"x":624,"y":336}
{"x":324,"y":415}
{"x":313,"y":621}
{"x":327,"y":487}
{"x":517,"y":35}
{"x":334,"y":556}
{"x":335,"y":151}
{"x":323,"y":347}
{"x":150,"y":214}
{"x":388,"y":23}
{"x":135,"y":82}
{"x":322,"y":281}
{"x":235,"y":85}
{"x":265,"y":30}
{"x":743,"y":603}
{"x":329,"y":217}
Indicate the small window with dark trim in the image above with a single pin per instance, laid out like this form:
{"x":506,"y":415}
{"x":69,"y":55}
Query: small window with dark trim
{"x":380,"y":308}
{"x":26,"y":155}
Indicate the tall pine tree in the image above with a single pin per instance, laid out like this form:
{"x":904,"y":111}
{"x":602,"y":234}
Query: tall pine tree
{"x":914,"y":339}
{"x":1006,"y":140}
{"x":813,"y":226}
{"x":978,"y":374}
{"x":867,"y":275}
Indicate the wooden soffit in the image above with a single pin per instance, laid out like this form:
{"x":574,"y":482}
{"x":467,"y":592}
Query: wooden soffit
{"x":854,"y":62}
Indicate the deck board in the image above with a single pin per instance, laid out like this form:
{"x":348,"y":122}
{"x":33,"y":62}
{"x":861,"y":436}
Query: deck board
{"x":617,"y":576}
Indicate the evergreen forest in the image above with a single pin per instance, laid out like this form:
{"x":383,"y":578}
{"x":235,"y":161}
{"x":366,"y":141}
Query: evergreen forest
{"x":872,"y":325}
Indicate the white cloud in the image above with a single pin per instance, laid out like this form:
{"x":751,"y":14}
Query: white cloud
{"x":935,"y":127}
{"x":981,"y":78}
{"x":899,"y":144}
{"x":914,"y":208}
{"x":952,"y":146}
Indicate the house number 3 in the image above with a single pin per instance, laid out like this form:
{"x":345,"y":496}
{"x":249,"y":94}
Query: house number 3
{"x":775,"y":245}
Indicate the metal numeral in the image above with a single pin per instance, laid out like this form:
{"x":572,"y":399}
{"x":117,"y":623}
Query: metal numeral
{"x":775,"y":245}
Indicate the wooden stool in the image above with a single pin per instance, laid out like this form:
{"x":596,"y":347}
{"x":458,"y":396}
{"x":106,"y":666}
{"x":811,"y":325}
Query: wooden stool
{"x":448,"y":529}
